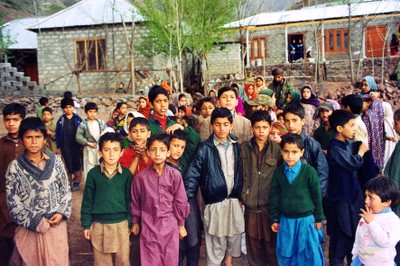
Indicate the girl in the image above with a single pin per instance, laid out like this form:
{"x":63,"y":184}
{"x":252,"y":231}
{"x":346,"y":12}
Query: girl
{"x":310,"y":103}
{"x":113,"y":115}
{"x":278,"y":130}
{"x":250,"y":91}
{"x":293,"y":96}
{"x":144,"y":106}
{"x":260,"y":84}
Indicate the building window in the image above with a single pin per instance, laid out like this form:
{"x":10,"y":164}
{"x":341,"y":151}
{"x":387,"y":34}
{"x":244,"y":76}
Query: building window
{"x":337,"y":40}
{"x":91,"y":54}
{"x":258,"y":48}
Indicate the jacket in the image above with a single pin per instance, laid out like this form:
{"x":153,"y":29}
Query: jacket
{"x":60,"y":122}
{"x":83,"y":135}
{"x":205,"y":170}
{"x":257,"y":182}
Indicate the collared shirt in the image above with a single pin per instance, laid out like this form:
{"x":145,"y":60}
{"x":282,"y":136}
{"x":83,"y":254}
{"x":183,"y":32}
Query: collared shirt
{"x":227,"y":158}
{"x":110,"y":175}
{"x":42,"y":163}
{"x":292,"y":173}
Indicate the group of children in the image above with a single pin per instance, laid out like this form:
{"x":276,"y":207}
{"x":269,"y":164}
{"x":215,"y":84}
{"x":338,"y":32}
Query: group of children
{"x":151,"y":176}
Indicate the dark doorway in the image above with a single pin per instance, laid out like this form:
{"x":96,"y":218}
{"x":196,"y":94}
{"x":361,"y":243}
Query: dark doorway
{"x":296,"y":47}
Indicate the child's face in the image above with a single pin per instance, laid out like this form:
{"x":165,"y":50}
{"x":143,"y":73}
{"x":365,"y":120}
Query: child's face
{"x":289,"y":98}
{"x":250,"y":89}
{"x":221,"y":127}
{"x":91,"y":114}
{"x":12,"y":122}
{"x":275,"y":135}
{"x":281,"y":119}
{"x":139,"y":134}
{"x":228,"y":100}
{"x":294,"y":123}
{"x":115,"y":114}
{"x":111,"y":152}
{"x":325,"y":114}
{"x":182,"y":101}
{"x":158,"y":152}
{"x":306,"y":94}
{"x":142,"y":103}
{"x":348,"y":130}
{"x":364,"y":86}
{"x":123,"y":109}
{"x":181,"y":113}
{"x":33,"y":141}
{"x":68,"y":110}
{"x":176,"y":148}
{"x":291,"y":153}
{"x":46,"y":116}
{"x":261,"y":129}
{"x":212,"y":94}
{"x":259,"y":82}
{"x":397,"y":126}
{"x":206,"y":109}
{"x":374,"y":202}
{"x":160,"y":105}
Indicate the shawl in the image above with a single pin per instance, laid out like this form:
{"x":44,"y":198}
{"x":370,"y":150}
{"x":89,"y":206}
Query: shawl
{"x":296,"y":96}
{"x":246,"y":90}
{"x":371,"y":84}
{"x":147,"y":110}
{"x":313,"y":100}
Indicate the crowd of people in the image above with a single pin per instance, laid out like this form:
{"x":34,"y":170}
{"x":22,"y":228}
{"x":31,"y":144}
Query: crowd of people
{"x":257,"y":170}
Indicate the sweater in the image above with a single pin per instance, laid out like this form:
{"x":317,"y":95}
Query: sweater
{"x":299,"y":199}
{"x":106,"y":200}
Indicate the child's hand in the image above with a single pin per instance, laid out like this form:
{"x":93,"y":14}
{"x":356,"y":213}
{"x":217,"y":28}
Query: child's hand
{"x":317,"y":225}
{"x":86,"y":234}
{"x":135,"y":229}
{"x":367,"y":214}
{"x":92,"y":145}
{"x":182,"y":232}
{"x":171,"y":129}
{"x":275,"y":227}
{"x":140,"y":149}
{"x":362,"y":149}
{"x":55,"y":219}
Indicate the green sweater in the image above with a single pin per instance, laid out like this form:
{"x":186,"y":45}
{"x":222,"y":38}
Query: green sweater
{"x":106,"y":200}
{"x":299,"y":199}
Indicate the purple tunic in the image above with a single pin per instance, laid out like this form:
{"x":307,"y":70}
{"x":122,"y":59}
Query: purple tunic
{"x":162,"y":205}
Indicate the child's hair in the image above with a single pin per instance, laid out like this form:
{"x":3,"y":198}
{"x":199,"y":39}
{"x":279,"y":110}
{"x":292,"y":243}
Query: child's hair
{"x":396,"y":115}
{"x":182,"y":108}
{"x":203,"y":100}
{"x":156,"y":90}
{"x":291,"y":138}
{"x":386,"y":188}
{"x":172,"y":108}
{"x":47,"y":109}
{"x":32,"y":123}
{"x":280,"y":115}
{"x":14,"y":109}
{"x":221,"y":112}
{"x":340,"y":118}
{"x":354,"y":101}
{"x":282,"y":129}
{"x":91,"y":106}
{"x":260,"y":115}
{"x":191,"y":121}
{"x":112,"y":137}
{"x":178,"y":134}
{"x":67,"y":94}
{"x":43,"y":100}
{"x":119,"y":105}
{"x":296,"y":109}
{"x":225,"y":89}
{"x":164,"y":138}
{"x":181,"y":96}
{"x":139,"y":121}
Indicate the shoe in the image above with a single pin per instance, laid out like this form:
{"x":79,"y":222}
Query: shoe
{"x":75,"y":187}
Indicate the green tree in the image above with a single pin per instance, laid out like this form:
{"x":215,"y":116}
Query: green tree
{"x":5,"y":38}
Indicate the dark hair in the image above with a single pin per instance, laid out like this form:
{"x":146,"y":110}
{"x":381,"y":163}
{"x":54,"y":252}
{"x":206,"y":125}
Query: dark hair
{"x":180,"y":96}
{"x":119,"y":105}
{"x":234,"y":85}
{"x":291,"y":138}
{"x":32,"y":123}
{"x":296,"y":109}
{"x":172,"y":108}
{"x":225,"y":89}
{"x":14,"y":109}
{"x":91,"y":106}
{"x":279,"y":115}
{"x":203,"y":100}
{"x":111,"y":137}
{"x":396,"y":115}
{"x":340,"y":118}
{"x":260,"y":115}
{"x":386,"y":188}
{"x":178,"y":134}
{"x":164,"y":138}
{"x":221,"y":112}
{"x":43,"y":100}
{"x":182,"y":108}
{"x":354,"y":101}
{"x":191,"y":120}
{"x":139,"y":121}
{"x":47,"y":109}
{"x":156,"y":90}
{"x":67,"y":94}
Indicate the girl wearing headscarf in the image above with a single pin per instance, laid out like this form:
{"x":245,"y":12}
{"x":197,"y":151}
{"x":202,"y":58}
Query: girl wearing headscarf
{"x":260,"y":84}
{"x":144,"y":106}
{"x":293,"y":97}
{"x":310,"y":103}
{"x":250,"y":91}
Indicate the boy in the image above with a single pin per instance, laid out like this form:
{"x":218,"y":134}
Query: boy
{"x":205,"y":106}
{"x":47,"y":115}
{"x":228,"y":98}
{"x":260,"y":157}
{"x":39,"y":199}
{"x":119,"y":121}
{"x":105,"y":211}
{"x":344,"y":194}
{"x":216,"y":168}
{"x":44,"y":102}
{"x":354,"y":103}
{"x":162,"y":220}
{"x":294,"y":115}
{"x":67,"y":146}
{"x":134,"y":157}
{"x":263,"y":102}
{"x":88,"y":135}
{"x":11,"y":148}
{"x":324,"y":134}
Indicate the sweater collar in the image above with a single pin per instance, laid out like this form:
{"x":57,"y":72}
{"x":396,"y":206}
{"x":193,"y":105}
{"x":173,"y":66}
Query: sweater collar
{"x":35,"y":172}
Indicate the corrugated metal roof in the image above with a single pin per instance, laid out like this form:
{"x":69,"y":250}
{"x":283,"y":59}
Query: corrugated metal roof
{"x":319,"y":12}
{"x":92,"y":12}
{"x":17,"y":30}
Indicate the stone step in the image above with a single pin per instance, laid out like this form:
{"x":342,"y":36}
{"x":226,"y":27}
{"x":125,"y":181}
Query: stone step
{"x":4,"y":65}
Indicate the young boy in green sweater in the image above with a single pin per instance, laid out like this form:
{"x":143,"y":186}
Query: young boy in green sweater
{"x":105,"y":212}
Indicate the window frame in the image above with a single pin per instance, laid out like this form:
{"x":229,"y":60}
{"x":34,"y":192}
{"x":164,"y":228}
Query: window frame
{"x":84,"y":60}
{"x":259,"y":40}
{"x":331,"y":36}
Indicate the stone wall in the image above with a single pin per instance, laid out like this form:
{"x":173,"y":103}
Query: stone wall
{"x":223,"y":60}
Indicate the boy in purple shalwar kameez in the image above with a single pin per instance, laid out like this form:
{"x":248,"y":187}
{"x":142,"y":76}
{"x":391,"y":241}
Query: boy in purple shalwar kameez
{"x":159,"y":200}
